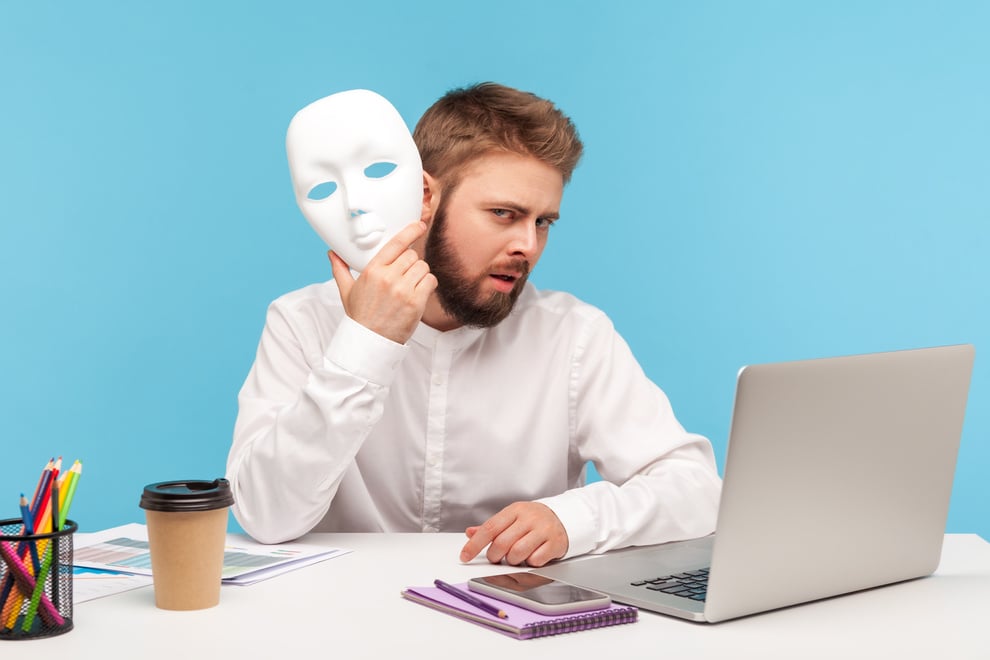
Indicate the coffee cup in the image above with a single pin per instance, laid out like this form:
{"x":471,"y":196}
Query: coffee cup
{"x":187,"y":530}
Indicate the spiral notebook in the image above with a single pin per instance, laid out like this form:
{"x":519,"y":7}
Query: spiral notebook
{"x":521,"y":623}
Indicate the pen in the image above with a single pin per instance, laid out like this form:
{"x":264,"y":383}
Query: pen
{"x":468,"y":598}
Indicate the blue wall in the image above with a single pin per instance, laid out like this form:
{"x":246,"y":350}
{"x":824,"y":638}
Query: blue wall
{"x":763,"y":181}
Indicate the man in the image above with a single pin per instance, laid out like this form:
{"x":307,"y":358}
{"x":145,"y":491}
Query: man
{"x":439,"y":391}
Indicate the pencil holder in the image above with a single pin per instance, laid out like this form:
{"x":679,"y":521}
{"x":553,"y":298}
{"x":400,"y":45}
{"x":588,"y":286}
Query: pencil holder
{"x":35,"y":581}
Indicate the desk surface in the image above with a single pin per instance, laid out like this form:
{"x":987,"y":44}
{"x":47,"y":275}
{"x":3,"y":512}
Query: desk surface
{"x":349,"y":607}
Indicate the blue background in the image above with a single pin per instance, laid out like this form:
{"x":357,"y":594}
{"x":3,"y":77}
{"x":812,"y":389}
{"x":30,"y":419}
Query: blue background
{"x":763,"y":181}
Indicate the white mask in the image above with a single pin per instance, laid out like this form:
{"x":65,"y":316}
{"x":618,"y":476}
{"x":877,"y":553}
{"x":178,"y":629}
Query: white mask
{"x":356,"y":172}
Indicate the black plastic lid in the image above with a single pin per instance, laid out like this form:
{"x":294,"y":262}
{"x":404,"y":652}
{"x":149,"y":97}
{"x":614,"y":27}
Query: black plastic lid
{"x":187,"y":495}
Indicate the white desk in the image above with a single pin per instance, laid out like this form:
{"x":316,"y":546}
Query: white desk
{"x":349,"y":607}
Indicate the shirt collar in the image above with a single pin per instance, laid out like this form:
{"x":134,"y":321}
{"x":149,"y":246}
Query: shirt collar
{"x":465,"y":335}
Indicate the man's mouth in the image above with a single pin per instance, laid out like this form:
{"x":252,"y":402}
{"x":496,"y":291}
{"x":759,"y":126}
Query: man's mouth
{"x":504,"y":282}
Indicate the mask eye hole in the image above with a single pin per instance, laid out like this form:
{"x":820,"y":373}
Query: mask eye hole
{"x":321,"y":191}
{"x":379,"y":170}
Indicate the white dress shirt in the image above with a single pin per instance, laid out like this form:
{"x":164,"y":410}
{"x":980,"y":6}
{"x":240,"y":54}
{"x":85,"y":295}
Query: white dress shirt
{"x":340,"y":429}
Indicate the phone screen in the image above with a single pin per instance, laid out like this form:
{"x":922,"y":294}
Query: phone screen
{"x":539,"y":589}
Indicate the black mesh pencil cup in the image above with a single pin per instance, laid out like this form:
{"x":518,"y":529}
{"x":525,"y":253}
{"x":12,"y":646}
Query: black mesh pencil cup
{"x":35,"y":581}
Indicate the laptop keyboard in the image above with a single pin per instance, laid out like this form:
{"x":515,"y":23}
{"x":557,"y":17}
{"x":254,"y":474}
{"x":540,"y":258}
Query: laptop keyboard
{"x":689,"y":584}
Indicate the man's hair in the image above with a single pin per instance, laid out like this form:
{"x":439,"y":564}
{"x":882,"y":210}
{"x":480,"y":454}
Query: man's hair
{"x":470,"y":122}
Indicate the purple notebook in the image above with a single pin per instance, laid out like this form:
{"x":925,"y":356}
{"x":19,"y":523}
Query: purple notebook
{"x":521,"y":623}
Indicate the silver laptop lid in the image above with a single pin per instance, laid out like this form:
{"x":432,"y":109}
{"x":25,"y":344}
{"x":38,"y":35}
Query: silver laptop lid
{"x":838,"y":476}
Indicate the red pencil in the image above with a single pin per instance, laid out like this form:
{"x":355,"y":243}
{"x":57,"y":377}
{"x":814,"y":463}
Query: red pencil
{"x":42,"y":517}
{"x":42,"y":482}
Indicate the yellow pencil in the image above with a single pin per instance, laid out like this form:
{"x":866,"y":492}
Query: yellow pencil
{"x":69,"y":492}
{"x":63,"y":483}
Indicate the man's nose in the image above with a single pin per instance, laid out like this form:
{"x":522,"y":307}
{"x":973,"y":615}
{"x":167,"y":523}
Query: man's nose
{"x":525,"y":241}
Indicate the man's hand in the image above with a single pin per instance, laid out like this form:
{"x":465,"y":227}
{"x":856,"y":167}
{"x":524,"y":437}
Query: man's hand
{"x":524,"y":532}
{"x":390,"y":295}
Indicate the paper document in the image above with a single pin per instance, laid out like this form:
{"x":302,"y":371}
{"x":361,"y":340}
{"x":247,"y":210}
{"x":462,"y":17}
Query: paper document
{"x":92,"y":583}
{"x":124,"y":549}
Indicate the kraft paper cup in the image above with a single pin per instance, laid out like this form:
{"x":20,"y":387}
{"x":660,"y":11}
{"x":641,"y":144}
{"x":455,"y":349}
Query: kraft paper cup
{"x":187,"y":530}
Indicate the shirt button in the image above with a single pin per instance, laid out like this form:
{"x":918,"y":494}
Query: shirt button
{"x":438,"y":380}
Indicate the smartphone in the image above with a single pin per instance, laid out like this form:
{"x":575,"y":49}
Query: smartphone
{"x":538,"y":593}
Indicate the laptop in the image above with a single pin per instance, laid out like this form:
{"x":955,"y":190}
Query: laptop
{"x":837,"y":478}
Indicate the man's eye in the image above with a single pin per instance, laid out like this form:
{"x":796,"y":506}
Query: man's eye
{"x":544,"y":223}
{"x":501,"y":213}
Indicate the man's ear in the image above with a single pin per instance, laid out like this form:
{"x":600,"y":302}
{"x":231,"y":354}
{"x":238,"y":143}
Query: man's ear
{"x":431,"y":198}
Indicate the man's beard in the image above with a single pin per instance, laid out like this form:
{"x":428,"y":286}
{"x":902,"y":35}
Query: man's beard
{"x":459,"y":296}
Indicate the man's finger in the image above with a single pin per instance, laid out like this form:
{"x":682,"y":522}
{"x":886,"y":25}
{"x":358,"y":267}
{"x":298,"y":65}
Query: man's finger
{"x":502,"y":546}
{"x":543,"y":554}
{"x":399,"y":243}
{"x":485,"y":534}
{"x":341,"y":274}
{"x":426,"y":282}
{"x":473,"y":546}
{"x":523,"y":547}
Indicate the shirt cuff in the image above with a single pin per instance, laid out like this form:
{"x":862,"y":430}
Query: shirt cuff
{"x":578,"y":520}
{"x":364,"y":353}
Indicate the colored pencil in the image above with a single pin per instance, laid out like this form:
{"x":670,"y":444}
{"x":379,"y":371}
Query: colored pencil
{"x":28,"y":526}
{"x":59,"y":516}
{"x":73,"y":475}
{"x":10,"y":600}
{"x":42,"y":484}
{"x":21,"y":573}
{"x":469,"y":598}
{"x":42,"y":513}
{"x":67,"y":477}
{"x":48,"y":511}
{"x":53,"y":548}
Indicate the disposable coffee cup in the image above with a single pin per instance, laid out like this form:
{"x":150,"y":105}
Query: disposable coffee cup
{"x":187,"y":528}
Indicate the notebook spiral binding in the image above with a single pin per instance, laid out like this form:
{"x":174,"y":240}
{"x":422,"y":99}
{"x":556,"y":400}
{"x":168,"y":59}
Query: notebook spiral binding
{"x":578,"y":622}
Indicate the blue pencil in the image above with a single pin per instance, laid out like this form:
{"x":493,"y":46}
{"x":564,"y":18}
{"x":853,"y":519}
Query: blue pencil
{"x":28,"y":528}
